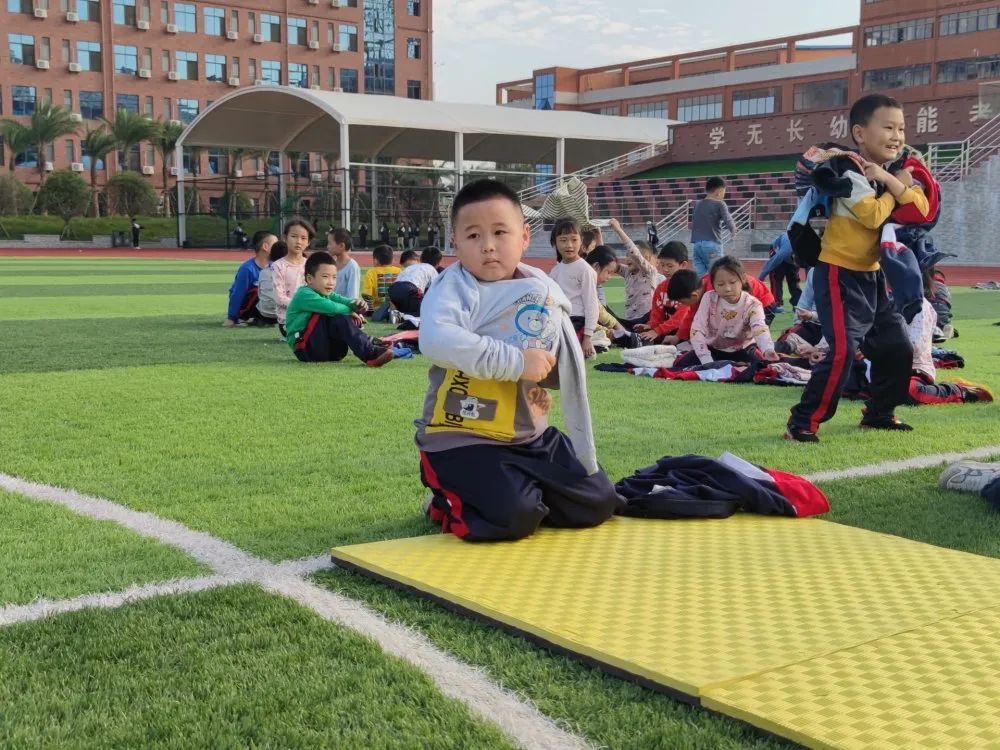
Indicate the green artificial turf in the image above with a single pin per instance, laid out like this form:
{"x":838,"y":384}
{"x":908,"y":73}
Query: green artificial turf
{"x":48,"y":551}
{"x":226,"y":668}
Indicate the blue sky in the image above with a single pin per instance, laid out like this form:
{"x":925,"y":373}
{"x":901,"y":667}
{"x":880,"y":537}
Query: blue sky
{"x":478,"y":43}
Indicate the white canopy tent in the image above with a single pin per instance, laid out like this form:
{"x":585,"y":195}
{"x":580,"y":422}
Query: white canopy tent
{"x":363,"y":127}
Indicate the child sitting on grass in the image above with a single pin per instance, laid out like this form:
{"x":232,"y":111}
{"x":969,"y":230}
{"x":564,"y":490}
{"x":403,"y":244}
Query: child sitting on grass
{"x":672,"y":258}
{"x":686,"y":288}
{"x":408,"y":258}
{"x":322,"y":325}
{"x":378,"y":279}
{"x":244,"y":294}
{"x":288,"y":273}
{"x":498,"y":333}
{"x":729,"y":321}
{"x":577,"y":280}
{"x":339,"y":244}
{"x":265,"y":286}
{"x":407,"y":292}
{"x":641,"y":278}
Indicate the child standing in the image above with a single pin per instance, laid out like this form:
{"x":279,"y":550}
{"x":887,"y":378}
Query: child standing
{"x":641,"y":278}
{"x":288,"y":273}
{"x":322,"y":325}
{"x":136,"y":228}
{"x":244,"y":295}
{"x":851,"y":300}
{"x":378,"y":279}
{"x":339,"y":244}
{"x":498,"y":334}
{"x":577,"y":280}
{"x":729,"y":321}
{"x":672,"y":258}
{"x":407,"y":292}
{"x":710,"y":213}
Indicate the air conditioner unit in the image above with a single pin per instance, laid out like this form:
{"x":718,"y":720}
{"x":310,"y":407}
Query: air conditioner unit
{"x":315,"y":87}
{"x":142,"y":25}
{"x":336,"y":48}
{"x":148,"y":170}
{"x":232,"y":35}
{"x":335,"y":4}
{"x":145,"y":73}
{"x":238,"y":173}
{"x":173,"y":171}
{"x":316,"y":177}
{"x":313,"y":44}
{"x":76,"y":117}
{"x":338,"y":89}
{"x":74,"y":67}
{"x":260,"y":174}
{"x":234,"y":82}
{"x":258,"y":38}
{"x":171,"y":28}
{"x":173,"y":76}
{"x":41,"y":13}
{"x":176,"y":122}
{"x":76,"y":166}
{"x":259,"y":82}
{"x":72,"y":17}
{"x":42,"y":64}
{"x":49,"y":166}
{"x":314,"y":2}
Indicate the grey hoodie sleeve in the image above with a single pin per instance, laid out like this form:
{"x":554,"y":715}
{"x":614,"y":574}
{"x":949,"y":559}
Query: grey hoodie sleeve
{"x":447,"y":337}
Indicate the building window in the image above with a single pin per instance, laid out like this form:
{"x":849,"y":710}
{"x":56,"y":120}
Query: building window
{"x":187,"y":66}
{"x":165,"y":61}
{"x":413,"y":90}
{"x":88,"y":54}
{"x":270,"y":27}
{"x":89,"y":10}
{"x":128,"y":102}
{"x":22,"y":49}
{"x":27,"y":158}
{"x":349,"y":80}
{"x":64,"y":51}
{"x":413,"y":7}
{"x":614,"y":110}
{"x":22,"y":99}
{"x":646,"y":109}
{"x":92,"y":105}
{"x":67,"y":100}
{"x":126,"y":59}
{"x":270,"y":71}
{"x":970,"y":69}
{"x":215,"y":21}
{"x":380,"y":47}
{"x":218,"y":162}
{"x":70,"y":152}
{"x":331,"y":78}
{"x":695,"y":108}
{"x":234,"y":69}
{"x":897,"y":78}
{"x":967,"y":22}
{"x":215,"y":68}
{"x":167,"y":109}
{"x":413,"y":48}
{"x":187,"y":110}
{"x":297,"y":31}
{"x":820,"y":95}
{"x":902,"y":31}
{"x":85,"y":157}
{"x":148,"y":108}
{"x":185,"y":17}
{"x":348,"y":37}
{"x":545,"y":91}
{"x":758,"y":102}
{"x":20,"y":6}
{"x":124,"y":12}
{"x":298,"y":75}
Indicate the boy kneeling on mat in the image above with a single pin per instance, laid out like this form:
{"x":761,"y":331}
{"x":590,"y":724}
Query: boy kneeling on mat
{"x":498,"y":334}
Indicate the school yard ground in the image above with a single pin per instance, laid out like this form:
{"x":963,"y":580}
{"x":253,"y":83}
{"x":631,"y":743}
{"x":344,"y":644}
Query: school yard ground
{"x":182,"y":484}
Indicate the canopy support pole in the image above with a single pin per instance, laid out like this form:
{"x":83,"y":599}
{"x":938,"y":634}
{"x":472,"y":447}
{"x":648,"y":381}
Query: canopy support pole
{"x":181,"y":212}
{"x":459,"y":161}
{"x":345,"y":186}
{"x":561,"y":159}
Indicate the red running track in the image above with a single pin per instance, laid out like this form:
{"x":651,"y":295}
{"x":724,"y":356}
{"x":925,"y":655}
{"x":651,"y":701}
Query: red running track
{"x":957,"y":274}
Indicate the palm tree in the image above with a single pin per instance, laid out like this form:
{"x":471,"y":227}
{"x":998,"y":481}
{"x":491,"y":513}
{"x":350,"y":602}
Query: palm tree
{"x":97,"y":143}
{"x":49,"y":122}
{"x":18,"y":138}
{"x":165,"y":142}
{"x":130,"y":129}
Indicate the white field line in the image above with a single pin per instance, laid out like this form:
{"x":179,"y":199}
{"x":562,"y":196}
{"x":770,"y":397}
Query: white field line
{"x":518,"y":718}
{"x":896,"y":467}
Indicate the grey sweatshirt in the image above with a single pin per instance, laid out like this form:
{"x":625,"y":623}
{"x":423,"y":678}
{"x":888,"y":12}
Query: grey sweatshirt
{"x":709,"y":216}
{"x":474,"y":333}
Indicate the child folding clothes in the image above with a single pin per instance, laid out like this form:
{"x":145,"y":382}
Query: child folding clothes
{"x":724,"y":330}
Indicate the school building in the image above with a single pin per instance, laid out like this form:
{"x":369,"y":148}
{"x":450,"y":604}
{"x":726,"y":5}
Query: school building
{"x":774,"y":97}
{"x":170,"y":60}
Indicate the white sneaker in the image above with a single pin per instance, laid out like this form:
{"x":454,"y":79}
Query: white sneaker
{"x":395,"y":317}
{"x":968,"y":476}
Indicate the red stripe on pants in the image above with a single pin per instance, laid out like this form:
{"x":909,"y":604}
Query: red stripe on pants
{"x":452,"y":522}
{"x":839,"y":345}
{"x":300,"y":345}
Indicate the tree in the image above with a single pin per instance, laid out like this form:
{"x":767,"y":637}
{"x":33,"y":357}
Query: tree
{"x":49,"y":122}
{"x":129,"y":194}
{"x":96,"y":144}
{"x":15,"y":197}
{"x":165,"y":142}
{"x":64,"y":194}
{"x":130,"y":129}
{"x":18,"y":138}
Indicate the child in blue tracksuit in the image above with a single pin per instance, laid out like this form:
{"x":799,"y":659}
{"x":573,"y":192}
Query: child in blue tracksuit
{"x":243,"y":294}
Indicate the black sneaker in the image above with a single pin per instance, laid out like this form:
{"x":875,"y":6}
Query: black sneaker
{"x":878,"y":422}
{"x":799,"y":435}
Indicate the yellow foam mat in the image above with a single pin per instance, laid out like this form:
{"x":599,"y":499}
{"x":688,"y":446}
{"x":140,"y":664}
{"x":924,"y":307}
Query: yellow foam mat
{"x":694,"y":605}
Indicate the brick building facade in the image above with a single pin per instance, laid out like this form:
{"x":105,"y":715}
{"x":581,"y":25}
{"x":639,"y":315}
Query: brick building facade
{"x":940,"y":58}
{"x":170,"y":60}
